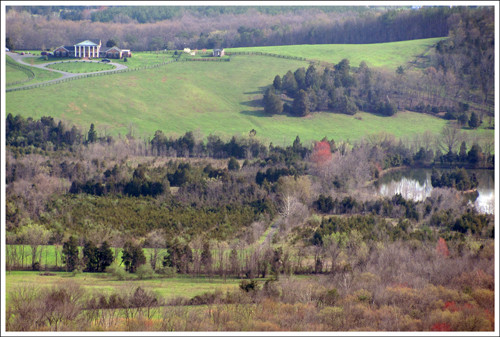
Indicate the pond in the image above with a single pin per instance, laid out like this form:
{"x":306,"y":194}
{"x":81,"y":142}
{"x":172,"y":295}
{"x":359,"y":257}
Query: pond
{"x":415,"y":184}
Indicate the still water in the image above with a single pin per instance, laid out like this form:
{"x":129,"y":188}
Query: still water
{"x":415,"y":184}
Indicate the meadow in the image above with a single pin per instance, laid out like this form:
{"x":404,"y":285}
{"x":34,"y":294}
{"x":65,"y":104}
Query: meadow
{"x":13,"y":74}
{"x":379,"y":55}
{"x":221,"y":98}
{"x":167,"y":288}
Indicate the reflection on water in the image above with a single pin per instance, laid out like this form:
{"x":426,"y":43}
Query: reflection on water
{"x":408,"y":188}
{"x":485,"y":202}
{"x":415,"y":184}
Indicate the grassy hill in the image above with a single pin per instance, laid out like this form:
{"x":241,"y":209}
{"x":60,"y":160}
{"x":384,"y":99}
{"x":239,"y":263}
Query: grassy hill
{"x":18,"y":75}
{"x":213,"y":97}
{"x":387,"y":55}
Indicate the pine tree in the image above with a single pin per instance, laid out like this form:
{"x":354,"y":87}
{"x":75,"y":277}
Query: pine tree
{"x":272,"y":102}
{"x":463,"y":152}
{"x":92,"y":135}
{"x":277,"y":82}
{"x":105,"y":256}
{"x":301,"y":104}
{"x":91,"y":257}
{"x":70,"y":254}
{"x":289,"y":84}
{"x":474,"y":120}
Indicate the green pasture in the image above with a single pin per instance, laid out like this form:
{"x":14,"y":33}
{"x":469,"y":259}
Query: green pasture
{"x":221,"y":98}
{"x":80,"y":66}
{"x":13,"y":74}
{"x":388,"y":55}
{"x":41,"y":75}
{"x":167,"y":288}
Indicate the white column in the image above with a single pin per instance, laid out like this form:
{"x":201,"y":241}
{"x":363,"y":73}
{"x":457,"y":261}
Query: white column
{"x":79,"y":51}
{"x":75,"y":51}
{"x":93,"y":51}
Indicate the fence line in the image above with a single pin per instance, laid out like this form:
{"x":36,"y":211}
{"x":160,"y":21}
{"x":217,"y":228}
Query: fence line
{"x":267,"y":54}
{"x":177,"y":59}
{"x":27,"y":71}
{"x":77,"y":77}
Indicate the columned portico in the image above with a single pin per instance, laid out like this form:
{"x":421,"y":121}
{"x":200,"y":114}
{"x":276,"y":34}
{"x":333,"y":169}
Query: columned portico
{"x":87,"y":49}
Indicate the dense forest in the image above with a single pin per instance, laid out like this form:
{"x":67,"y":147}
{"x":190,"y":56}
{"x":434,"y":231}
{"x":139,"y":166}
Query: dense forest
{"x":225,"y":185}
{"x":157,"y":28}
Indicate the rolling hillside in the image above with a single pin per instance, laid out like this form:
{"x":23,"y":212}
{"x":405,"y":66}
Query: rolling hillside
{"x":218,"y":97}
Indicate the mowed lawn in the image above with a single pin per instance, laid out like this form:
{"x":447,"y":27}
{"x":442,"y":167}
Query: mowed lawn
{"x":388,"y":55}
{"x":167,"y":288}
{"x":80,"y":67}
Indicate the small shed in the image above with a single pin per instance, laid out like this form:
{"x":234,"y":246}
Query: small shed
{"x":218,"y":52}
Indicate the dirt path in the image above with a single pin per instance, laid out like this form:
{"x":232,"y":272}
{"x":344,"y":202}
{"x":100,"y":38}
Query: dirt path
{"x":19,"y":58}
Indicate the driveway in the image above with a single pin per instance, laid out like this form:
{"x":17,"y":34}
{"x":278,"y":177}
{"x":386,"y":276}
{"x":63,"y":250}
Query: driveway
{"x":19,"y":58}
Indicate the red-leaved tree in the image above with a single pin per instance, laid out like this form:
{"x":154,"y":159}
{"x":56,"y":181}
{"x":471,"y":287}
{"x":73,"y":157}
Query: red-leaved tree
{"x":321,"y":153}
{"x":442,"y":248}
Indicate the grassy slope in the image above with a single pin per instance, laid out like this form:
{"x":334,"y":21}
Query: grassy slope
{"x":13,"y":74}
{"x":389,"y":55}
{"x":210,"y":97}
{"x":40,"y":76}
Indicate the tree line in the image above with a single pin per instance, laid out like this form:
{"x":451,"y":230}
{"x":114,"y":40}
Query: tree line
{"x":143,"y":28}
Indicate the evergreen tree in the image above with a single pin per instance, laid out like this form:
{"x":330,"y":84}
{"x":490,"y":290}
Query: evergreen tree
{"x":313,"y":79}
{"x":277,"y":82}
{"x":272,"y":102}
{"x":91,"y":257}
{"x":475,"y":154}
{"x":70,"y":253}
{"x":300,"y":78}
{"x":474,"y":120}
{"x":462,"y":154}
{"x":92,"y":134}
{"x":132,"y":256}
{"x":301,"y":104}
{"x":463,"y":119}
{"x":111,"y":43}
{"x":105,"y":255}
{"x":289,"y":84}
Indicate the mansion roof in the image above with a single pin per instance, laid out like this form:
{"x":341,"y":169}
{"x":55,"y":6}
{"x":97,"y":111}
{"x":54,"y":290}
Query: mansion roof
{"x":88,"y":43}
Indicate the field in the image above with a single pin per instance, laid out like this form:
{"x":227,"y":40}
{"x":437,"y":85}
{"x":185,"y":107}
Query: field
{"x":13,"y":75}
{"x":221,"y":98}
{"x":208,"y":97}
{"x":387,"y":55}
{"x":168,"y":288}
{"x":81,"y":67}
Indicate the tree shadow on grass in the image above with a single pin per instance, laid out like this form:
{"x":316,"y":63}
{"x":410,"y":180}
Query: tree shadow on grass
{"x":255,"y":113}
{"x":255,"y":103}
